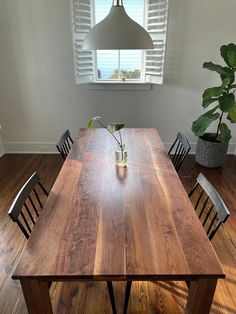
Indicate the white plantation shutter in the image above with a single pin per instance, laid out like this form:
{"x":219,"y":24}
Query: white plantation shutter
{"x":82,"y":21}
{"x":156,"y":18}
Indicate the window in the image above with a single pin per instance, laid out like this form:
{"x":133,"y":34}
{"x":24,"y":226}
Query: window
{"x":120,"y":65}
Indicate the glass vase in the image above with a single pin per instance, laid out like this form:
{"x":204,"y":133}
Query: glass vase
{"x":121,"y":156}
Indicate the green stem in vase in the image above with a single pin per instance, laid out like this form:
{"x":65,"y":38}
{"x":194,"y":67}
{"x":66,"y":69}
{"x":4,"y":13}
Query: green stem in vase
{"x":121,"y":146}
{"x":109,"y":131}
{"x":112,"y":127}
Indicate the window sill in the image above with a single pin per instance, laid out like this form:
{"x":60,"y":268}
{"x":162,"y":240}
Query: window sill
{"x":120,"y":86}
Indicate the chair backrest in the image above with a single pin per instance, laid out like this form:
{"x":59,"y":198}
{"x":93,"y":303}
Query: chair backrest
{"x":179,"y":150}
{"x":27,"y":199}
{"x":64,"y":144}
{"x":211,"y":208}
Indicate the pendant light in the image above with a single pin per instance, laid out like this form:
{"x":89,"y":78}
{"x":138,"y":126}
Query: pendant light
{"x":117,"y":31}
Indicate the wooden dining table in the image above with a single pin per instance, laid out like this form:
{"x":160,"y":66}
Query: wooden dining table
{"x":103,"y":222}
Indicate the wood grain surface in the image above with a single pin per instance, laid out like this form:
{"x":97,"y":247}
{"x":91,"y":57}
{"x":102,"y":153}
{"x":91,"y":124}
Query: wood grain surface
{"x":92,"y":297}
{"x":99,"y":223}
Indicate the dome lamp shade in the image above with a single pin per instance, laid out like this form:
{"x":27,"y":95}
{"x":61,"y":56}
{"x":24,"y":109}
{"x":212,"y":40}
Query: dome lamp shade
{"x":117,"y":31}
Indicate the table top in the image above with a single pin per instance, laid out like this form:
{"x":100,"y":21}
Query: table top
{"x":104,"y":222}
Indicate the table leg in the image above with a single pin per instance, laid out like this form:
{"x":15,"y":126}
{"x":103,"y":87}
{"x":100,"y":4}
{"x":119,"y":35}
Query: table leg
{"x":112,"y":297}
{"x":200,"y":296}
{"x":127,"y":295}
{"x":36,"y":294}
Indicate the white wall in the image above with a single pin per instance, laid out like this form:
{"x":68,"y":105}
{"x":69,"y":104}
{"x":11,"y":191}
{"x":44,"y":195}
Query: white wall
{"x":38,"y":96}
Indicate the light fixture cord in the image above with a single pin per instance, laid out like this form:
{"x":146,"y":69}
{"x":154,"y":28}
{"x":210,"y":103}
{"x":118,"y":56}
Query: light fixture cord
{"x":118,"y":3}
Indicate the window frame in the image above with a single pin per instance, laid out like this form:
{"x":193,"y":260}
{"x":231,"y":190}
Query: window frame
{"x":154,"y":57}
{"x":142,"y":58}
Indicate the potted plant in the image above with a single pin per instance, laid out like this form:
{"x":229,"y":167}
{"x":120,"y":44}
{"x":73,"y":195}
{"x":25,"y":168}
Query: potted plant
{"x":121,"y":155}
{"x":212,"y":147}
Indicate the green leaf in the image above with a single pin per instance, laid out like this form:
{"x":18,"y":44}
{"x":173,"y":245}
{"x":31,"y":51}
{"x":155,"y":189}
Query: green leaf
{"x":228,"y":53}
{"x":224,"y":72}
{"x":212,"y":94}
{"x":232,"y":114}
{"x":115,"y":126}
{"x":207,"y":100}
{"x":90,"y":122}
{"x":213,"y":67}
{"x":228,"y":74}
{"x":200,"y":125}
{"x":226,"y":102}
{"x":216,"y":91}
{"x":225,"y":133}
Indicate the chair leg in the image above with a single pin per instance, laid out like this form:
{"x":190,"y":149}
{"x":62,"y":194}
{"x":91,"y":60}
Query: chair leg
{"x":112,"y":298}
{"x":127,"y":294}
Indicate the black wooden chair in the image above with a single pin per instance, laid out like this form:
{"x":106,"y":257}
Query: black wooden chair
{"x":64,"y":144}
{"x":179,"y":150}
{"x":204,"y":205}
{"x":28,"y":199}
{"x":25,"y":208}
{"x":209,"y":205}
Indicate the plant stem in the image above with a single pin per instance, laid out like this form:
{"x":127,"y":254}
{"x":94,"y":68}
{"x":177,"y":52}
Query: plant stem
{"x":120,"y":138}
{"x":218,"y":127}
{"x":232,"y":86}
{"x":121,"y":146}
{"x":109,"y":131}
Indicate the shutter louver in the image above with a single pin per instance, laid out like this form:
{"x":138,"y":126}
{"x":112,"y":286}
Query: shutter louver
{"x":82,"y":21}
{"x":156,"y":18}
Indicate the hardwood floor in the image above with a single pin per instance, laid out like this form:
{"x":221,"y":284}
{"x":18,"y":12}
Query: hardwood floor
{"x":90,"y":297}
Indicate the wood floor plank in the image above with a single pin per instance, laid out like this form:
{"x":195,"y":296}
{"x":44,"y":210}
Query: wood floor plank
{"x":90,"y":297}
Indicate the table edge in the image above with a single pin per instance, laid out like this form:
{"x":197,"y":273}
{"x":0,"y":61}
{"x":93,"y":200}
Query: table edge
{"x":162,"y":277}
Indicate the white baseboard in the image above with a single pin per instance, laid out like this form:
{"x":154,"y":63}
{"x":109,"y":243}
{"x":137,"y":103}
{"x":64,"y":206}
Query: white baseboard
{"x":2,"y":149}
{"x":50,"y":148}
